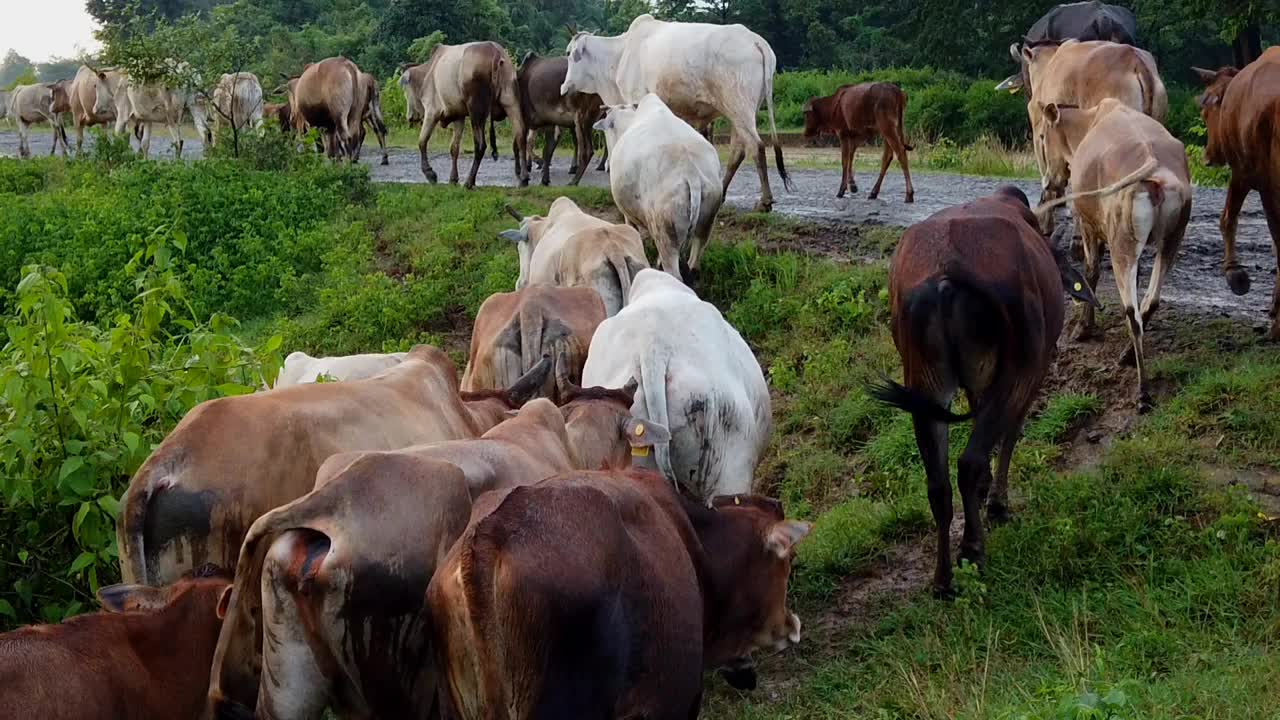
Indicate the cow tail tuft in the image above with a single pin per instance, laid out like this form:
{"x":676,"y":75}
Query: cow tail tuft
{"x":773,"y":126}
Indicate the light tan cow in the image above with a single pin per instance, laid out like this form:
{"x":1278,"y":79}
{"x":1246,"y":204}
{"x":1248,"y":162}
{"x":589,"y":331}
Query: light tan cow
{"x":570,"y":248}
{"x":1113,"y":145}
{"x":475,"y":80}
{"x":28,"y":105}
{"x":129,"y":101}
{"x":237,"y":101}
{"x":232,"y":459}
{"x":1084,"y":74}
{"x":330,"y":95}
{"x":514,"y":330}
{"x":84,"y":103}
{"x":345,"y":567}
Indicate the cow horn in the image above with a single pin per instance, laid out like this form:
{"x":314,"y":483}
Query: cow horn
{"x":1206,"y":76}
{"x":512,"y":212}
{"x":631,"y":387}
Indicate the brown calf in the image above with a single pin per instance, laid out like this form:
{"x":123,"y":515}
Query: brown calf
{"x":856,"y":114}
{"x":975,"y":293}
{"x":606,"y":595}
{"x":1241,"y":110}
{"x":147,"y":657}
{"x":514,"y":330}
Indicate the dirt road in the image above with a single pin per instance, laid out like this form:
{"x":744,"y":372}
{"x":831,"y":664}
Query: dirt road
{"x":1196,"y":283}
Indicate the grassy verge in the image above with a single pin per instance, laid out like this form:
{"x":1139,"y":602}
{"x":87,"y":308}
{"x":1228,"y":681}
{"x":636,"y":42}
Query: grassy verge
{"x":1139,"y":586}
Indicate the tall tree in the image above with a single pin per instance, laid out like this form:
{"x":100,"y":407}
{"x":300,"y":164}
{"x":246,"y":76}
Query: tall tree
{"x":13,"y":67}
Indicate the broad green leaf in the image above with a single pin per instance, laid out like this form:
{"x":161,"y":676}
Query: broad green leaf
{"x":110,"y":505}
{"x":81,"y":514}
{"x":70,"y":465}
{"x":7,"y":610}
{"x":84,"y":560}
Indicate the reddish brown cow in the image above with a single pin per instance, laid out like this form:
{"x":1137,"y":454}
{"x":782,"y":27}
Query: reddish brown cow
{"x":147,"y":657}
{"x":975,"y":293}
{"x":856,"y":114}
{"x":539,"y":614}
{"x":1241,"y":110}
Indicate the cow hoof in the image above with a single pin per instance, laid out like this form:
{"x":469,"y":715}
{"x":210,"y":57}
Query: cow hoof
{"x":840,"y":194}
{"x":945,"y":593}
{"x":1084,"y":333}
{"x":546,"y":182}
{"x":431,"y":178}
{"x":873,"y":195}
{"x":911,"y":198}
{"x":740,"y":676}
{"x":524,"y":182}
{"x":468,"y":185}
{"x":763,"y":207}
{"x":998,"y":513}
{"x":1238,"y":279}
{"x":385,"y":162}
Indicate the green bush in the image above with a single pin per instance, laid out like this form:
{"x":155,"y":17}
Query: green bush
{"x":84,"y":405}
{"x":1184,"y":115}
{"x":394,"y":104}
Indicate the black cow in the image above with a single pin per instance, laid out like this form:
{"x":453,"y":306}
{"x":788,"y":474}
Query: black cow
{"x":1082,"y":21}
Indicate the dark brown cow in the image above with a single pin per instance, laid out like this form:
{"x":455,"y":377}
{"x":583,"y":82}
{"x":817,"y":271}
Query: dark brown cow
{"x":856,"y":114}
{"x":279,"y":111}
{"x":1241,"y":109}
{"x":232,"y":459}
{"x":546,"y":109}
{"x":146,"y":658}
{"x":606,"y":595}
{"x":514,"y":330}
{"x":975,"y":293}
{"x":61,"y":104}
{"x":476,"y":81}
{"x":345,"y":588}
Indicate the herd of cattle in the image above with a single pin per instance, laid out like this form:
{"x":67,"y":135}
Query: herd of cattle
{"x":568,"y":529}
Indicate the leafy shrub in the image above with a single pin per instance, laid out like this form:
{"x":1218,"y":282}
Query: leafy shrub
{"x":394,"y":104}
{"x":1183,"y":119}
{"x":1203,"y":174}
{"x":84,"y":405}
{"x":265,"y":149}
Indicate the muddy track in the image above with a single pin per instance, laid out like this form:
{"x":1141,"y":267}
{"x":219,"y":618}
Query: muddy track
{"x":1195,"y":283}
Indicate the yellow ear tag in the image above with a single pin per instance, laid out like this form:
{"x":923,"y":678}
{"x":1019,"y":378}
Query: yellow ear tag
{"x":640,"y":428}
{"x":1079,"y":287}
{"x":737,"y":500}
{"x":640,"y":451}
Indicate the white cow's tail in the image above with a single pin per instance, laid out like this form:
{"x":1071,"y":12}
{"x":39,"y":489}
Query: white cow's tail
{"x":773,"y":126}
{"x":653,"y":381}
{"x":618,"y":261}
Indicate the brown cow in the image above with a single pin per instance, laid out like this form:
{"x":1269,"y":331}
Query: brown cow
{"x":856,"y":114}
{"x":514,"y":330}
{"x":476,"y":81}
{"x":232,"y":459}
{"x":328,"y":615}
{"x":546,"y":109}
{"x":1084,"y":74}
{"x":1241,"y":110}
{"x":84,"y":100}
{"x":372,"y":116}
{"x":331,"y":96}
{"x":279,"y":111}
{"x":61,"y":106}
{"x":1113,"y":144}
{"x":975,"y":293}
{"x":147,"y":657}
{"x":606,"y":595}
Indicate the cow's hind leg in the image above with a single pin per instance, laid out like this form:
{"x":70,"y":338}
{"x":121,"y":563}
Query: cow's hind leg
{"x":886,"y":157}
{"x":455,"y":150}
{"x":846,"y":160}
{"x":762,"y":169}
{"x":1271,"y":206}
{"x":424,"y":139}
{"x":479,"y":106}
{"x":293,"y":686}
{"x":998,"y":497}
{"x":583,"y":149}
{"x":549,"y":142}
{"x":1126,"y":249}
{"x":1092,"y":245}
{"x":973,"y":475}
{"x":737,"y":153}
{"x":1166,"y":255}
{"x":931,"y":438}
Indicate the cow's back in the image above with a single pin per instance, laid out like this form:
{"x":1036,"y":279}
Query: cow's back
{"x":327,"y":91}
{"x":1086,"y":73}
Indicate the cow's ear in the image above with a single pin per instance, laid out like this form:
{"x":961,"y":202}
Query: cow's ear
{"x":784,"y":536}
{"x":224,"y":602}
{"x":1206,"y":76}
{"x":1051,"y":113}
{"x":643,"y":434}
{"x":125,"y":598}
{"x":515,"y":236}
{"x":102,"y":75}
{"x":1028,"y":54}
{"x":603,"y":124}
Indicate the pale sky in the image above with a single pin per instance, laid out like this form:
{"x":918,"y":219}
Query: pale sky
{"x":41,"y":29}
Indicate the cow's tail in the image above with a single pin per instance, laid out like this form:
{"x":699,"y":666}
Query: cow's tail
{"x":1147,"y":81}
{"x":618,"y":261}
{"x":532,"y":324}
{"x":1134,"y":177}
{"x":773,"y":126}
{"x":935,"y":302}
{"x":902,"y":125}
{"x":132,"y":529}
{"x":653,"y":381}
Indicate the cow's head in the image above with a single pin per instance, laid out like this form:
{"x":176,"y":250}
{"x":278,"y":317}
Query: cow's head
{"x":603,"y":434}
{"x":592,"y":64}
{"x":106,"y":85}
{"x":1215,"y":88}
{"x":1062,"y":127}
{"x":812,"y":122}
{"x":1033,"y":59}
{"x":750,"y":545}
{"x":526,"y":239}
{"x":615,"y":122}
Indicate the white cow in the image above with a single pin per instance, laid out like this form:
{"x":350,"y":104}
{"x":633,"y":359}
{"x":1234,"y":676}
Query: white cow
{"x":238,"y":100}
{"x":300,"y":368}
{"x":700,"y":71}
{"x":30,"y":104}
{"x":570,"y":248}
{"x":145,"y":104}
{"x":697,"y":377}
{"x":665,"y":178}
